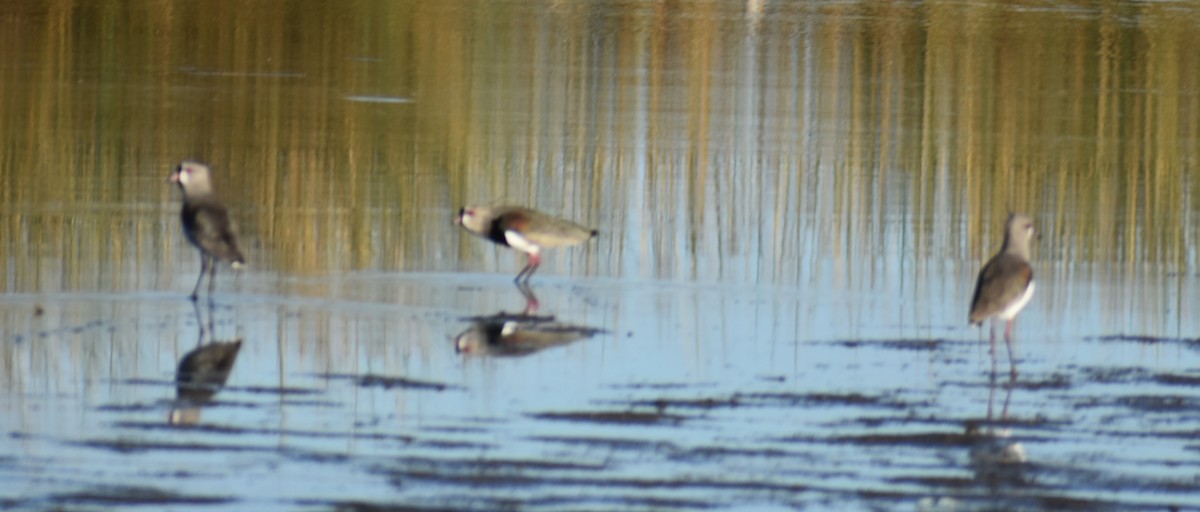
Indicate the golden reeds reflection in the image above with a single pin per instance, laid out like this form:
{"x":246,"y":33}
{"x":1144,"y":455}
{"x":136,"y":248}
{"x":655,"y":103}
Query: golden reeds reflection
{"x":714,"y":146}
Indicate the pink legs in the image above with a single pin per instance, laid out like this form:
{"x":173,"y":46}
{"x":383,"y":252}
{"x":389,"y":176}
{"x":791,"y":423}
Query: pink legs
{"x":534,"y":261}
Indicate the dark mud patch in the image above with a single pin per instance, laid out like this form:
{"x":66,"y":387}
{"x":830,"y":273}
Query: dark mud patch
{"x":455,"y":429}
{"x":258,"y":390}
{"x":486,"y":503}
{"x":1159,"y":403}
{"x":611,"y":443}
{"x":613,"y":417}
{"x":1133,"y":338}
{"x":919,"y":439}
{"x":126,"y":446}
{"x":499,"y":465}
{"x":290,"y":433}
{"x":968,"y":425}
{"x":1138,"y":375}
{"x":363,"y":506}
{"x":1141,"y":404}
{"x":130,"y":408}
{"x":134,"y":495}
{"x":1114,"y":374}
{"x":989,"y":495}
{"x":385,"y":382}
{"x":164,"y":404}
{"x":719,"y":453}
{"x":273,"y":390}
{"x":1193,"y":343}
{"x":1052,"y":381}
{"x":774,"y":400}
{"x":518,"y":474}
{"x":240,"y":431}
{"x":920,"y":345}
{"x":1172,"y":379}
{"x":676,"y":453}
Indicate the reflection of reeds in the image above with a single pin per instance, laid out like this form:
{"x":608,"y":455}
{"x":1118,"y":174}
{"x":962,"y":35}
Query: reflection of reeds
{"x":705,"y":147}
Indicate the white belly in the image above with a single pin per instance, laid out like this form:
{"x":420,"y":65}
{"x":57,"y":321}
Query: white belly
{"x":1014,"y":308}
{"x":520,"y":243}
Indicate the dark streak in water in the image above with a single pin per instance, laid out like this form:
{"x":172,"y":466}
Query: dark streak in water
{"x":127,"y":446}
{"x":612,"y":417}
{"x":773,"y":400}
{"x":607,"y":442}
{"x":135,"y":495}
{"x":270,"y":390}
{"x":1146,"y":340}
{"x":1172,"y":379}
{"x":264,"y":390}
{"x":371,"y":380}
{"x":913,"y":344}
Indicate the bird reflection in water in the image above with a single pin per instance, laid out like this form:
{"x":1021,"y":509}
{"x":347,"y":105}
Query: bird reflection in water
{"x":508,"y":335}
{"x":531,"y":301}
{"x":998,"y":462}
{"x":997,"y":459}
{"x":201,"y":373}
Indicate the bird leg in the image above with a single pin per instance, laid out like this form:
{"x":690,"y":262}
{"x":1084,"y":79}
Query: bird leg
{"x":535,"y":259}
{"x":531,"y":301}
{"x":212,"y":278}
{"x":212,"y":306}
{"x":204,"y":262}
{"x":1012,"y":364}
{"x":199,"y":322}
{"x":992,"y":340}
{"x":991,"y":391}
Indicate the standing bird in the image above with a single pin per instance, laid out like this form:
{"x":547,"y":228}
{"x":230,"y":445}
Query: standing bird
{"x":206,"y":222}
{"x":1006,"y":282}
{"x":524,"y":230}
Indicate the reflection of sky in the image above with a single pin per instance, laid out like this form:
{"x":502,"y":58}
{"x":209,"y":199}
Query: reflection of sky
{"x":771,"y":350}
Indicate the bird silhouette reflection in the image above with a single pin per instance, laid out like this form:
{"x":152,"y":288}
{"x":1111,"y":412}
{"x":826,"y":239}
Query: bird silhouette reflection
{"x":997,"y":459}
{"x":508,"y":335}
{"x":201,"y":373}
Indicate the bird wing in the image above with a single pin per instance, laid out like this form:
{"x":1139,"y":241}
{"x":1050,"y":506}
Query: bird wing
{"x":207,"y":225}
{"x":1003,"y":280}
{"x":543,"y":230}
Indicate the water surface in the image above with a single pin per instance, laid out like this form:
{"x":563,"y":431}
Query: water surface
{"x":793,"y":198}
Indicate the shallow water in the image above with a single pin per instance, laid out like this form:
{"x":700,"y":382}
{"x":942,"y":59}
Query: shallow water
{"x":793,"y":200}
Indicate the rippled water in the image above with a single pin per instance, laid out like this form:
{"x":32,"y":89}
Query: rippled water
{"x":793,"y":201}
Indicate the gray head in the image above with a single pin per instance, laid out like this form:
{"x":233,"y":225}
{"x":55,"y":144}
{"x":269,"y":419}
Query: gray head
{"x":193,"y":179}
{"x":1018,"y":232}
{"x":476,"y":219}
